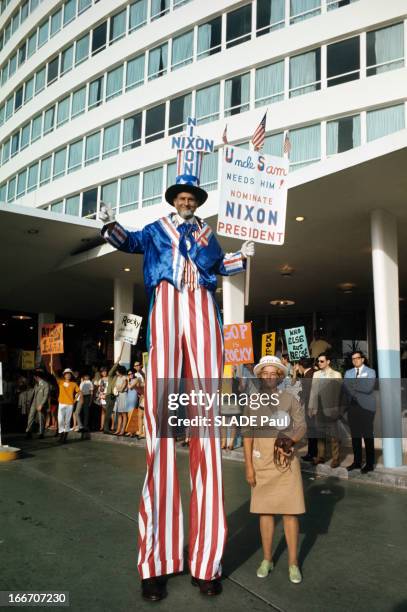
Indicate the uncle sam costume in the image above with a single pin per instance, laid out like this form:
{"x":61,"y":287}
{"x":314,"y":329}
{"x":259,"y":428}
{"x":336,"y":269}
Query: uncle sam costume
{"x":181,"y":261}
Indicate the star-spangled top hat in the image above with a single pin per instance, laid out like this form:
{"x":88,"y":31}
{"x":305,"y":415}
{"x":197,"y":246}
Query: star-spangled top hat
{"x":191,"y":150}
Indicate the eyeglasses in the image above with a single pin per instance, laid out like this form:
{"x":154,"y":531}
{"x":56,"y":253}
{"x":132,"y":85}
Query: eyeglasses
{"x":321,"y":360}
{"x":356,"y":358}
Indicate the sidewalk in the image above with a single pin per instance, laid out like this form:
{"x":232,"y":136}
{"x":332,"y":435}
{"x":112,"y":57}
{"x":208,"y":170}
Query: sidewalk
{"x":68,"y":517}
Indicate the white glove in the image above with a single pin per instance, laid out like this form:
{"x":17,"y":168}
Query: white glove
{"x":247,"y":249}
{"x":106,"y":214}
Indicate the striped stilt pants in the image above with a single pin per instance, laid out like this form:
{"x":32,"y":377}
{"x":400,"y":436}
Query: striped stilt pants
{"x":185,"y":338}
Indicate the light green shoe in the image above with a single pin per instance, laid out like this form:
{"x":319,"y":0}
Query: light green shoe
{"x":264,"y":569}
{"x":294,"y":574}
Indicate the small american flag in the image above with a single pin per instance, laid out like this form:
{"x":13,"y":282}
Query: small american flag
{"x":287,"y":145}
{"x":260,"y":134}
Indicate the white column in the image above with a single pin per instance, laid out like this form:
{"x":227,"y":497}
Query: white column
{"x":123,"y":303}
{"x":386,"y":302}
{"x":233,"y":298}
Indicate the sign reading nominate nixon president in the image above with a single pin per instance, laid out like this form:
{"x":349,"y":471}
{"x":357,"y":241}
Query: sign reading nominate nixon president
{"x":253,"y":196}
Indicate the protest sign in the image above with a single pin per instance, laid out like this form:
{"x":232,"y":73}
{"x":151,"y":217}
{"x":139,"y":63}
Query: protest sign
{"x":27,"y":360}
{"x":238,"y":343}
{"x":297,"y":345}
{"x":52,"y":338}
{"x":128,"y":328}
{"x":253,"y":196}
{"x":268,"y":344}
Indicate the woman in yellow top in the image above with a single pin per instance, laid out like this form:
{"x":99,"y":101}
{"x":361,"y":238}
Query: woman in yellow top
{"x":69,"y":393}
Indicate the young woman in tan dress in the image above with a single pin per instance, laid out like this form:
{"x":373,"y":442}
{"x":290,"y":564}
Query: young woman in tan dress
{"x":272,"y":467}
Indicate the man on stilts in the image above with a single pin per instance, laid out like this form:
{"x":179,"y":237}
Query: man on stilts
{"x":181,"y":260}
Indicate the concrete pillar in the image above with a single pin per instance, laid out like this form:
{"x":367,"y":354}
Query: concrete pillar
{"x":386,"y":303}
{"x":43,"y":318}
{"x":123,"y":303}
{"x":233,"y":298}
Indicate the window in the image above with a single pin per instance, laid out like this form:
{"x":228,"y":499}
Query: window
{"x":82,"y":49}
{"x":138,"y":15}
{"x":384,"y":121}
{"x":135,"y":72}
{"x":78,"y":102}
{"x":155,"y":123}
{"x":3,"y":191}
{"x":18,"y":100}
{"x":237,"y":94}
{"x":69,"y":11}
{"x":342,"y":134}
{"x":305,"y":73}
{"x":9,"y":106}
{"x":114,"y":84}
{"x":49,"y":118}
{"x":32,"y":44}
{"x":171,"y":174}
{"x":72,"y":205}
{"x":39,"y":80}
{"x":83,"y":5}
{"x":4,"y":74}
{"x":29,"y":90}
{"x":385,"y":49}
{"x":343,"y":59}
{"x":270,"y":84}
{"x":92,"y":149}
{"x":66,"y":60}
{"x":45,"y":173}
{"x":304,"y":9}
{"x":207,"y":104}
{"x":36,"y":128}
{"x":6,"y":152}
{"x":75,"y":156}
{"x":59,"y":163}
{"x":159,"y":8}
{"x":182,"y":50}
{"x":53,"y":70}
{"x":56,"y":22}
{"x":209,"y":174}
{"x":15,"y":22}
{"x":129,"y":188}
{"x":99,"y":38}
{"x":209,"y":38}
{"x":24,"y":11}
{"x":89,"y":203}
{"x":238,"y":26}
{"x":132,"y":132}
{"x":270,"y":16}
{"x":21,"y":183}
{"x":11,"y":190}
{"x":63,"y":111}
{"x":180,"y":110}
{"x":273,"y":145}
{"x":335,"y":4}
{"x":43,"y":32}
{"x":25,"y":136}
{"x":111,"y":140}
{"x":2,"y":114}
{"x":12,"y":65}
{"x":32,"y":177}
{"x":15,"y":142}
{"x":57,"y":207}
{"x":109,"y":194}
{"x":117,"y":26}
{"x":157,"y":61}
{"x":95,"y":95}
{"x":306,"y":146}
{"x":22,"y":53}
{"x":152,"y":187}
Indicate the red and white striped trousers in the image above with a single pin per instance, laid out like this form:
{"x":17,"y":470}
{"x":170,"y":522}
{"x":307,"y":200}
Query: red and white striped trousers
{"x":185,"y":338}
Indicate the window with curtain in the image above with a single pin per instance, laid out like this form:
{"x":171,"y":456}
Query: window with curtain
{"x":21,"y":183}
{"x":180,"y":110}
{"x":2,"y":109}
{"x":171,"y":173}
{"x":135,"y":72}
{"x":132,"y":132}
{"x":57,"y":207}
{"x":108,"y":194}
{"x":269,"y":84}
{"x":11,"y":189}
{"x":155,"y":123}
{"x":72,"y":205}
{"x":18,"y":99}
{"x":6,"y":151}
{"x":152,"y":187}
{"x":3,"y":191}
{"x":384,"y":121}
{"x":182,"y":50}
{"x":78,"y":102}
{"x":209,"y":173}
{"x":385,"y":49}
{"x":129,"y":193}
{"x":22,"y":53}
{"x":28,"y":90}
{"x":335,"y":4}
{"x":56,"y":22}
{"x":270,"y":16}
{"x":209,"y":38}
{"x":25,"y":136}
{"x":63,"y":111}
{"x":114,"y":83}
{"x":137,"y":15}
{"x":53,"y":66}
{"x":83,"y":5}
{"x":75,"y":156}
{"x":12,"y":65}
{"x":49,"y":120}
{"x":273,"y":145}
{"x":24,"y":11}
{"x":304,"y":9}
{"x":99,"y":36}
{"x":59,"y":163}
{"x":207,"y":104}
{"x":69,"y":11}
{"x":305,"y":73}
{"x":343,"y":61}
{"x":157,"y":61}
{"x":159,"y":8}
{"x":92,"y":149}
{"x":342,"y":134}
{"x":45,"y":172}
{"x":111,"y":140}
{"x":82,"y":49}
{"x":43,"y":32}
{"x":95,"y":94}
{"x":238,"y":26}
{"x":39,"y":80}
{"x":15,"y":142}
{"x":117,"y":26}
{"x":32,"y":177}
{"x":305,"y":146}
{"x":66,"y":60}
{"x":237,"y":94}
{"x":36,"y":128}
{"x":89,"y":203}
{"x":9,"y":106}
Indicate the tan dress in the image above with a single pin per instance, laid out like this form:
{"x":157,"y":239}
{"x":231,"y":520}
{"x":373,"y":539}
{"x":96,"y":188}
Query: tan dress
{"x":276,"y":491}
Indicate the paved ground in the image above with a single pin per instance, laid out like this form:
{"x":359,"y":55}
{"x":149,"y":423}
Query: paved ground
{"x":68,"y":522}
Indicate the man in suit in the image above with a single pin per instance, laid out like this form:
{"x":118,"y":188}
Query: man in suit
{"x":39,"y":403}
{"x":359,"y":388}
{"x":305,"y":367}
{"x":324,"y":404}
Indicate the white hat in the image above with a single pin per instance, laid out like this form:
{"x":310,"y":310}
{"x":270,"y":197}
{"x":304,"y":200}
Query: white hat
{"x":269,"y":360}
{"x":68,"y":371}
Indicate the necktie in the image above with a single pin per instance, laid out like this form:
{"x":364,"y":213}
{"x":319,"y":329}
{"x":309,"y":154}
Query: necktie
{"x":357,"y":372}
